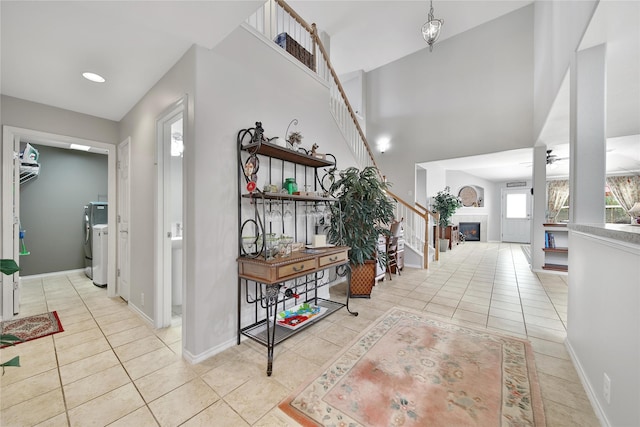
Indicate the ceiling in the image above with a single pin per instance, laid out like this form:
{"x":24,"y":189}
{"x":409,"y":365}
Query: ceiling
{"x":47,"y":44}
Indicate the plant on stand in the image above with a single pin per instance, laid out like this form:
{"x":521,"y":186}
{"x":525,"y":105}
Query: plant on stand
{"x":446,"y":204}
{"x":364,"y":212}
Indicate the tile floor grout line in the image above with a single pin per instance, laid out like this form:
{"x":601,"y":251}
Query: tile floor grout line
{"x":504,"y":264}
{"x":121,"y":365}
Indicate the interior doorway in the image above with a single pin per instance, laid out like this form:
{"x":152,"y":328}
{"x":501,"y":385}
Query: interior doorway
{"x":170,"y":224}
{"x":13,"y":137}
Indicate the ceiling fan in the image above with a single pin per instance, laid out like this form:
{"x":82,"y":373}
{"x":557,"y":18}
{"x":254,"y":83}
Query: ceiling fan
{"x":552,"y":158}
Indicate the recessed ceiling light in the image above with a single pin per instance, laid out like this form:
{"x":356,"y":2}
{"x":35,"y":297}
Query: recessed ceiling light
{"x":93,"y":77}
{"x":79,"y":147}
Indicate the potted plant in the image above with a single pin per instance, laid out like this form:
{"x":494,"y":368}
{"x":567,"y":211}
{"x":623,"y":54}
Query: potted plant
{"x":363,"y":213}
{"x":446,"y":205}
{"x":8,"y":267}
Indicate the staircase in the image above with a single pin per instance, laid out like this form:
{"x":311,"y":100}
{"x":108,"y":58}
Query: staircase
{"x":277,"y":21}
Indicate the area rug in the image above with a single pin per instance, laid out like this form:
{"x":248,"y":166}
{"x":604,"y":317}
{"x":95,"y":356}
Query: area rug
{"x":32,"y":327}
{"x":407,"y":369}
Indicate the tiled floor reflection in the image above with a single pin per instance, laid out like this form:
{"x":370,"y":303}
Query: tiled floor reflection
{"x":109,"y":367}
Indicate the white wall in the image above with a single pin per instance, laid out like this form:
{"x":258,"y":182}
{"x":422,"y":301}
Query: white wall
{"x":140,"y":125}
{"x":31,"y":115}
{"x":232,"y":94}
{"x":558,"y":29}
{"x":603,"y":325}
{"x":472,"y":95}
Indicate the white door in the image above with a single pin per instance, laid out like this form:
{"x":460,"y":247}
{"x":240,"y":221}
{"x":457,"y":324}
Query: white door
{"x":10,"y":223}
{"x":123,"y":268}
{"x":516,"y":215}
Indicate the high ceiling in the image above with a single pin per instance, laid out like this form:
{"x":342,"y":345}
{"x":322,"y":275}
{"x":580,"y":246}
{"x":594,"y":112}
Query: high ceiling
{"x":368,"y":34}
{"x":47,"y":44}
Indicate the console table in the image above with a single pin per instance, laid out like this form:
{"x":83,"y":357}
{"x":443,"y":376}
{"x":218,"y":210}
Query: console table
{"x":262,"y":283}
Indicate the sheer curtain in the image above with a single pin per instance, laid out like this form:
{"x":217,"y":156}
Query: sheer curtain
{"x":625,"y":189}
{"x":557,"y":194}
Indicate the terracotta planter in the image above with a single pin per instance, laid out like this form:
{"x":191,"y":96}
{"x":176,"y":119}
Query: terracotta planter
{"x":363,"y":278}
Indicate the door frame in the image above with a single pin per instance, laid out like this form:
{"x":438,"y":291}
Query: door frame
{"x":10,"y":247}
{"x":126,"y":145}
{"x":163,"y":244}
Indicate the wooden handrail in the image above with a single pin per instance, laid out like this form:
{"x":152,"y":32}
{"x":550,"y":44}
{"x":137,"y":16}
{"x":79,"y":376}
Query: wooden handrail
{"x":312,"y":29}
{"x":343,"y":95}
{"x":315,"y":38}
{"x":295,"y":15}
{"x":424,"y":215}
{"x":407,"y":205}
{"x":435,"y":215}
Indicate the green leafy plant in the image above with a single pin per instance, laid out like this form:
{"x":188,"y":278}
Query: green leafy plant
{"x":8,"y":267}
{"x":363,"y":214}
{"x":446,"y":204}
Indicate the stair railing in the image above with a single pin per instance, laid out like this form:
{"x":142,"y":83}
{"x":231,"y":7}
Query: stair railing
{"x":276,"y":18}
{"x":416,"y":230}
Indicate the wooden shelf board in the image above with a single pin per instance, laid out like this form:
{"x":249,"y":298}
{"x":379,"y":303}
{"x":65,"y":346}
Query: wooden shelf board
{"x":282,"y":153}
{"x":290,"y":197}
{"x":555,"y":224}
{"x":558,"y":250}
{"x":555,"y":267}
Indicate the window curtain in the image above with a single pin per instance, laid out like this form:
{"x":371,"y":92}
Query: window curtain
{"x":557,"y":194}
{"x":625,"y":189}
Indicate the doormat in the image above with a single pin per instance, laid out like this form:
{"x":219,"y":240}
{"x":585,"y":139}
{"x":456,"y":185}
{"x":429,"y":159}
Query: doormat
{"x":407,"y":369}
{"x":32,"y":327}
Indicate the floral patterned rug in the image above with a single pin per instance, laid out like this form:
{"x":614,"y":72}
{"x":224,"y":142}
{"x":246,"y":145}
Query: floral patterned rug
{"x":32,"y":327}
{"x":409,"y":370}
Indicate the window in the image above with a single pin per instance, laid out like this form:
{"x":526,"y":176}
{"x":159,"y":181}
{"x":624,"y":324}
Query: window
{"x":614,"y":213}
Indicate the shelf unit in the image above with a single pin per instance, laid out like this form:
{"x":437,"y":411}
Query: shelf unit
{"x":556,"y":250}
{"x":271,"y":282}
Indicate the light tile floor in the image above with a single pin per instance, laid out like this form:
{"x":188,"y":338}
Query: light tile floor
{"x":109,"y":367}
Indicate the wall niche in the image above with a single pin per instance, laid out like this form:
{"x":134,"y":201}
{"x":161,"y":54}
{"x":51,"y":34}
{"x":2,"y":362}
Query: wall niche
{"x":472,"y":196}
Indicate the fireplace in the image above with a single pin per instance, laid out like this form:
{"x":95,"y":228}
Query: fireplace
{"x":470,"y":231}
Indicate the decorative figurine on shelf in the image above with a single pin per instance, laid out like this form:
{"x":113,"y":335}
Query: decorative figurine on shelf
{"x":258,"y":135}
{"x":313,"y":149}
{"x":295,"y":138}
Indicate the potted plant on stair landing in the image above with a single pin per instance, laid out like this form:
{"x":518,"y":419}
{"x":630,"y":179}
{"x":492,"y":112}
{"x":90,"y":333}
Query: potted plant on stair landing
{"x":446,"y":204}
{"x":364,"y":212}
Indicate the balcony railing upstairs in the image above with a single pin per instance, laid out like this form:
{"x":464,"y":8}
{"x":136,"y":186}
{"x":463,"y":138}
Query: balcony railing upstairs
{"x":277,"y":21}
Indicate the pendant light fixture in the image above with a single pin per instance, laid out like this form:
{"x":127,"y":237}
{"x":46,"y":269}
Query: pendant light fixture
{"x":431,"y":29}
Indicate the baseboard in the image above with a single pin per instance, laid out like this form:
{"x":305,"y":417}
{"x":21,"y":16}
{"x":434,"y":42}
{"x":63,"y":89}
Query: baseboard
{"x":140,"y":313}
{"x":587,"y":386}
{"x":413,"y":265}
{"x":557,"y":273}
{"x":197,"y":358}
{"x":53,"y":274}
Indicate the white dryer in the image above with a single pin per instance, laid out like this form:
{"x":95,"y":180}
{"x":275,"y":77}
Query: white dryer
{"x":100,"y":251}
